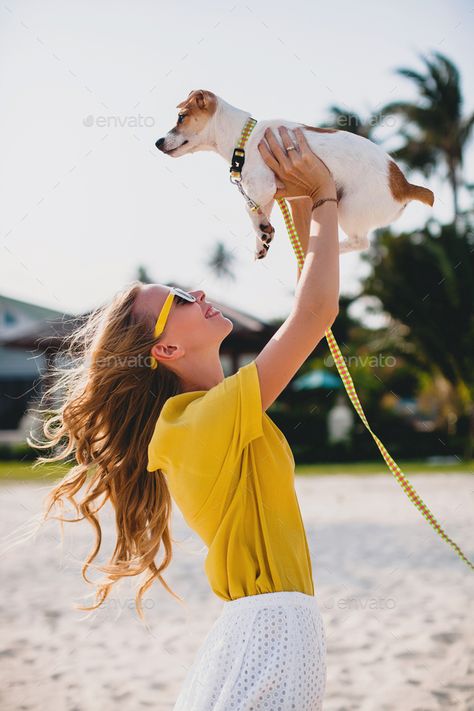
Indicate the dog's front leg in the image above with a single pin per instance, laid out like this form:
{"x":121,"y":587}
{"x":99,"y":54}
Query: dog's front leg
{"x":264,"y":231}
{"x":259,"y":183}
{"x":261,"y":187}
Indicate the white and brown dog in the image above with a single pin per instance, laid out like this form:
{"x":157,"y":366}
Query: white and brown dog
{"x":371,"y":188}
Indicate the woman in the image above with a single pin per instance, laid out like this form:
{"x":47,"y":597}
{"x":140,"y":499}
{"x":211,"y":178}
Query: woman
{"x":148,"y":414}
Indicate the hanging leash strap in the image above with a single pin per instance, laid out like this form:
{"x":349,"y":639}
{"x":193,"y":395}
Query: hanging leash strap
{"x":238,"y":160}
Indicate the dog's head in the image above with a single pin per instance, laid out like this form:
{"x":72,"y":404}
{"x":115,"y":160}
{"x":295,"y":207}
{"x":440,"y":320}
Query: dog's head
{"x":191,"y":131}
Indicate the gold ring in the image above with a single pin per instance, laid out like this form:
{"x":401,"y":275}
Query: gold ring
{"x":291,"y":148}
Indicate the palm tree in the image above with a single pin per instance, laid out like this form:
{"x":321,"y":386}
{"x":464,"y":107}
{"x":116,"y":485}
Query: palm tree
{"x":425,"y":280}
{"x":435,"y":127}
{"x":221,"y":261}
{"x":142,"y":275}
{"x":351,"y":121}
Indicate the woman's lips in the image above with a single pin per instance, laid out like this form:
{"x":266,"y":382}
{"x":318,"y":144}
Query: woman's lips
{"x":212,"y":312}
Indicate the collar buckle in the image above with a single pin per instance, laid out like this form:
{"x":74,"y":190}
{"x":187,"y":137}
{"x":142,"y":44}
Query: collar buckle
{"x":237,"y":163}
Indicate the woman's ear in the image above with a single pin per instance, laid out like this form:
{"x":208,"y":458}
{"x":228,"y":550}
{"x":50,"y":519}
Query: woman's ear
{"x":167,"y":352}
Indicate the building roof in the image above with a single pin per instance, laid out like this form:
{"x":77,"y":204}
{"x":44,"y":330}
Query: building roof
{"x":50,"y":331}
{"x":34,"y":310}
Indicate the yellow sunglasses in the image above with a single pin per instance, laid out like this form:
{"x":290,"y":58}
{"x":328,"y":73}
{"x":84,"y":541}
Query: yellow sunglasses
{"x":181,"y":297}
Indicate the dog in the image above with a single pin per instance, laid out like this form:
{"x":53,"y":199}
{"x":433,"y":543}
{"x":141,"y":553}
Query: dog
{"x":371,"y":189}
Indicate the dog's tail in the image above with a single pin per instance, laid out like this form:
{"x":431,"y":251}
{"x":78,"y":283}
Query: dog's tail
{"x":417,"y":192}
{"x":403,"y":191}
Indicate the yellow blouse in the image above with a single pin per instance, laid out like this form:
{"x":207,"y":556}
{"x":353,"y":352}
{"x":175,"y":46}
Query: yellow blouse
{"x":230,"y":470}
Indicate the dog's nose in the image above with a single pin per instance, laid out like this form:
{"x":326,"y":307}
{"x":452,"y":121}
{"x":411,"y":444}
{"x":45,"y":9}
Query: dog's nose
{"x":159,"y":143}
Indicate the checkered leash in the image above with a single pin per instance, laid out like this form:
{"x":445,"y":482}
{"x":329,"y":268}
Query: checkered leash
{"x":238,"y":160}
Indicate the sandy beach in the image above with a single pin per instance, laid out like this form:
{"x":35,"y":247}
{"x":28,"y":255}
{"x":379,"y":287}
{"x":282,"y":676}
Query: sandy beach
{"x":396,"y":600}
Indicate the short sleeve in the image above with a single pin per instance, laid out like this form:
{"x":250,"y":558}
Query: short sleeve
{"x":232,"y":410}
{"x":212,"y":429}
{"x":199,"y":438}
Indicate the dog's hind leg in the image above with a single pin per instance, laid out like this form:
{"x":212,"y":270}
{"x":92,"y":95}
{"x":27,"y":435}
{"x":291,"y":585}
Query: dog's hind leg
{"x":355,"y":243}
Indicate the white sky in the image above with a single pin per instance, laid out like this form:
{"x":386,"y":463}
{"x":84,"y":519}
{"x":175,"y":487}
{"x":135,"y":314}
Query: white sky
{"x":83,"y":206}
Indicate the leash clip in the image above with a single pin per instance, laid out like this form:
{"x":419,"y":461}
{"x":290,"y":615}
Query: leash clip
{"x":251,"y":203}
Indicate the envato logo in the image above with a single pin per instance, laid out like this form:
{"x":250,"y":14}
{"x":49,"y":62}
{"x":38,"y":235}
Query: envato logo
{"x":138,"y":361}
{"x":374,"y":361}
{"x":361,"y":603}
{"x":115,"y":121}
{"x":350,"y":121}
{"x":127,"y":604}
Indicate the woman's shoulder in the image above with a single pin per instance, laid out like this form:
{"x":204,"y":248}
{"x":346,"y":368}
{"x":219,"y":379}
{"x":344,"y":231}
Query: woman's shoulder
{"x":229,"y":413}
{"x":194,"y":401}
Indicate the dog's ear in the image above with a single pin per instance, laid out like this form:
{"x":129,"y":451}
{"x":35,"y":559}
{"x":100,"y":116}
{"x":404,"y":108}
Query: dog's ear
{"x":198,"y":97}
{"x":186,"y":101}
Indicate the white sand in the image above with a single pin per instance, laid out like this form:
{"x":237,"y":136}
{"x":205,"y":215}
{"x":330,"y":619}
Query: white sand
{"x":396,"y":600}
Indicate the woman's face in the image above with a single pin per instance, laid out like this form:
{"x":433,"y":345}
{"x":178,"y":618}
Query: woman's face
{"x":187,"y":330}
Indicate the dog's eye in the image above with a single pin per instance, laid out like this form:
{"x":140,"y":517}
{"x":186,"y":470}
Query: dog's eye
{"x":181,"y":118}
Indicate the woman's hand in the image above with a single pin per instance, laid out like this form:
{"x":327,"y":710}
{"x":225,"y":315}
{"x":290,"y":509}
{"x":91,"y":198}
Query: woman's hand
{"x":299,"y":172}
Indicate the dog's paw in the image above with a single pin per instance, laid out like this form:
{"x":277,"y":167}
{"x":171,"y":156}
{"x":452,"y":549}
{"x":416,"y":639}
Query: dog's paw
{"x":263,"y":240}
{"x":262,"y":252}
{"x":267,"y":230}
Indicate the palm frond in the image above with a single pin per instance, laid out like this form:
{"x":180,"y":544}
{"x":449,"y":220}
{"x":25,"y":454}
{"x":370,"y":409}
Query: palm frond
{"x":411,"y":74}
{"x":465,"y":130}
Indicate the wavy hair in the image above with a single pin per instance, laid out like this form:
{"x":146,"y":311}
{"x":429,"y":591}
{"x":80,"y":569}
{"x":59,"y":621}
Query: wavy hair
{"x":101,"y":411}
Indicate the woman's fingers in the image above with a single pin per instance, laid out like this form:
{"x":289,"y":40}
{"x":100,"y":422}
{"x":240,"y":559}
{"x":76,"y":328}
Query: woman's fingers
{"x":281,"y":190}
{"x":303,"y":144}
{"x":305,"y":148}
{"x":268,"y":157}
{"x":275,"y":147}
{"x":286,"y":139}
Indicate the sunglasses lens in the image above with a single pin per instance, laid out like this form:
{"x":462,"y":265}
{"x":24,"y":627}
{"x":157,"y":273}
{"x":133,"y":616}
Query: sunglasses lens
{"x":183,"y":297}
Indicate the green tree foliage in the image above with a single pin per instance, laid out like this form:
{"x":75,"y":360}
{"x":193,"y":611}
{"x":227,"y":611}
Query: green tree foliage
{"x":345,"y":119}
{"x":435,"y":132}
{"x":221,"y":262}
{"x":425,"y":280}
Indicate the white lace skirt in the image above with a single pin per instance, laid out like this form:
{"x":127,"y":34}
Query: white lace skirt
{"x":265,"y":652}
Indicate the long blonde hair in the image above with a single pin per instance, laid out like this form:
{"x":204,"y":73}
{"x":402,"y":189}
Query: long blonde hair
{"x":109,"y":401}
